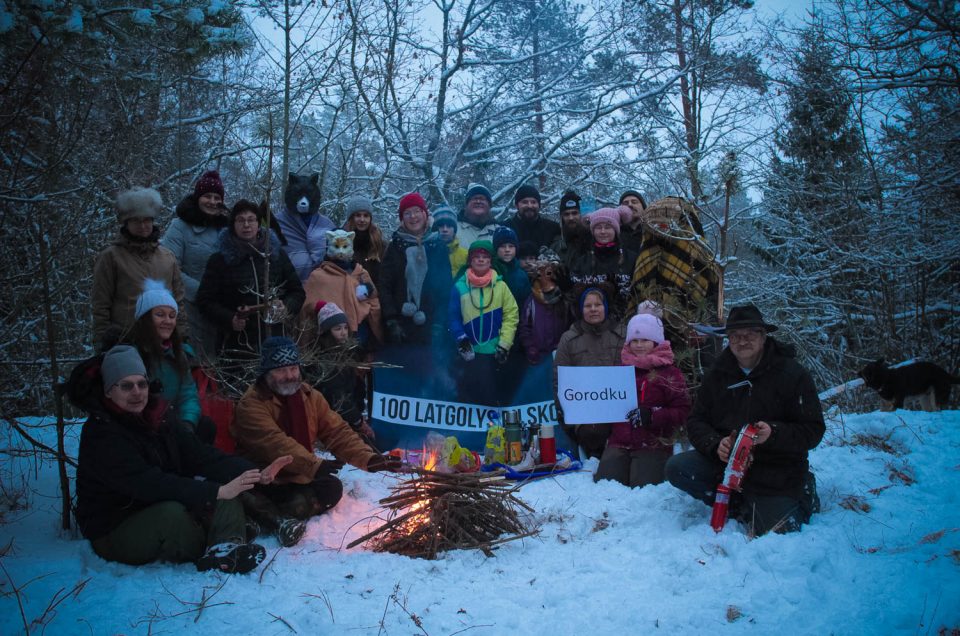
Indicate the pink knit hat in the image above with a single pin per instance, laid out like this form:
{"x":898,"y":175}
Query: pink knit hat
{"x":329,"y":315}
{"x":645,"y":327}
{"x":613,"y":216}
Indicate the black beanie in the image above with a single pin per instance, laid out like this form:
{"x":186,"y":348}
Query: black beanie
{"x":570,"y":199}
{"x":633,"y":193}
{"x":526,"y":191}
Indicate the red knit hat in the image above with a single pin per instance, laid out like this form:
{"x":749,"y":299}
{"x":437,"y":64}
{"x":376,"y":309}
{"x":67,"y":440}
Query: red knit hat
{"x":410,"y":200}
{"x":209,"y":181}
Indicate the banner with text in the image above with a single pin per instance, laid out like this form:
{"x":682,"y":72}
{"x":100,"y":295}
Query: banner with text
{"x":432,"y":391}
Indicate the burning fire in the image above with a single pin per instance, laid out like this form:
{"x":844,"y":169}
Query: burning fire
{"x":429,"y":459}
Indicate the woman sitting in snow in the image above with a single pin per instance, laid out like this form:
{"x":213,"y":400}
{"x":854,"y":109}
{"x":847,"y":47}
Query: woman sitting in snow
{"x":638,"y":450}
{"x":138,"y":499}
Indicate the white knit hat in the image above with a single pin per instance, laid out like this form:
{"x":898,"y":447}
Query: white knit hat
{"x":645,"y":327}
{"x":155,"y":294}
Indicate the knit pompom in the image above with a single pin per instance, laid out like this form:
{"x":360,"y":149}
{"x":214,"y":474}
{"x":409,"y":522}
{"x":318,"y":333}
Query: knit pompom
{"x":408,"y":309}
{"x":419,"y":318}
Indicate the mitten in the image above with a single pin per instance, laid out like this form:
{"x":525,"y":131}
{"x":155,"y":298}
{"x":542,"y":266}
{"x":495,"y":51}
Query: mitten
{"x":465,"y":349}
{"x":639,"y":416}
{"x":501,"y":355}
{"x":385,"y":462}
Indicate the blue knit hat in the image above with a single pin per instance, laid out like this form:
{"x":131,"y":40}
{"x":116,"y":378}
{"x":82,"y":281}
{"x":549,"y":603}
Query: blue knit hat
{"x":478,"y":188}
{"x":444,"y":215}
{"x":594,"y":290}
{"x":504,"y":234}
{"x":276,"y":352}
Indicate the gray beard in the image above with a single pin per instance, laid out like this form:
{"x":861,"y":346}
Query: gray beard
{"x":285,"y":389}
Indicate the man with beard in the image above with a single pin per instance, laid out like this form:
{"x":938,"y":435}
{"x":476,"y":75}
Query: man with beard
{"x":631,"y":234}
{"x":476,"y":221}
{"x":282,"y":415}
{"x":527,"y":223}
{"x":574,"y":235}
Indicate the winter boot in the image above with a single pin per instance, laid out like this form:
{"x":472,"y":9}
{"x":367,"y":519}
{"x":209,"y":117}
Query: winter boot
{"x":290,"y":531}
{"x":232,"y":558}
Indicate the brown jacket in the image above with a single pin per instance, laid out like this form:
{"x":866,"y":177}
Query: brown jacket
{"x":584,"y":345}
{"x":260,"y":439}
{"x":331,"y":283}
{"x":118,"y":276}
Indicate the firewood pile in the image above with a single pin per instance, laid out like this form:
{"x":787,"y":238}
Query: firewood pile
{"x":436,"y":512}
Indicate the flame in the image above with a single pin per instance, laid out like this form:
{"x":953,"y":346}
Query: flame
{"x":429,"y":459}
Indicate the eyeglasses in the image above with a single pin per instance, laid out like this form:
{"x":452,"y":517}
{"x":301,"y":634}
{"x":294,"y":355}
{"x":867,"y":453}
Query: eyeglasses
{"x":744,"y":336}
{"x":127,"y":386}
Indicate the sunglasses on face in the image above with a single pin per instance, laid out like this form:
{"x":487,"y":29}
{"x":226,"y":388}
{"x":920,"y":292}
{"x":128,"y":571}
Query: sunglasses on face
{"x":127,"y":386}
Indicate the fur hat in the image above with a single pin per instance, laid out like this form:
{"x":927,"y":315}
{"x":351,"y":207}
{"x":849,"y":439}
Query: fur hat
{"x":613,"y":216}
{"x":632,"y":193}
{"x":276,"y":352}
{"x":570,"y":200}
{"x":358,"y":203}
{"x":209,"y":181}
{"x":645,"y":327}
{"x":479,"y":246}
{"x":410,"y":200}
{"x":329,"y":315}
{"x":525,"y":192}
{"x":119,"y":362}
{"x":155,"y":294}
{"x":443,"y":214}
{"x":746,"y":317}
{"x":138,"y":202}
{"x":503,"y":235}
{"x":478,"y":188}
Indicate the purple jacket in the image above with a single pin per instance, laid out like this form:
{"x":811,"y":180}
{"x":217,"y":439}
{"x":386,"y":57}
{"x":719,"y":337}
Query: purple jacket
{"x":662,"y":389}
{"x":541,"y":326}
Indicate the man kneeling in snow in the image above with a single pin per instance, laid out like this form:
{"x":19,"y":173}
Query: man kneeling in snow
{"x":755,"y":380}
{"x":281,"y":415}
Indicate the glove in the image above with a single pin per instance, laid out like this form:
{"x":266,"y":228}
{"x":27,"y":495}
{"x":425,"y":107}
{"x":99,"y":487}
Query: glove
{"x":329,"y":467}
{"x":639,"y":416}
{"x":396,"y":332}
{"x":385,"y":462}
{"x":501,"y":355}
{"x":465,"y":349}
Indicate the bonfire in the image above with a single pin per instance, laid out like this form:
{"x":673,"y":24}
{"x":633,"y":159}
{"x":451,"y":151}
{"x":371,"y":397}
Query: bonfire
{"x":438,"y":511}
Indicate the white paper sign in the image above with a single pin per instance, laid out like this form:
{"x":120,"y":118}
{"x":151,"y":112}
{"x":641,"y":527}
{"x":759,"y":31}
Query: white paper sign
{"x":596,"y":395}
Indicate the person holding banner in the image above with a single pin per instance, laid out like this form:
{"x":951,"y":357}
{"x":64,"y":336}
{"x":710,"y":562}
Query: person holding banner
{"x":415,"y":279}
{"x":592,"y":341}
{"x":638,"y":450}
{"x":483,"y":321}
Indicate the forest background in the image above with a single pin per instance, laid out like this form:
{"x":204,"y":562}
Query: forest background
{"x":823,"y":152}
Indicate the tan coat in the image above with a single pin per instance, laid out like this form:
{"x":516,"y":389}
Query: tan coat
{"x":260,"y":439}
{"x":118,"y":276}
{"x":331,"y":283}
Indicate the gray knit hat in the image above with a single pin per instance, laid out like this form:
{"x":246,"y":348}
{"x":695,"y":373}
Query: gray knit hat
{"x":118,"y":363}
{"x":359,"y":203}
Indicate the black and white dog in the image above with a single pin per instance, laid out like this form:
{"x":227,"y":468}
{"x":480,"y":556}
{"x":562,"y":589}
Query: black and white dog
{"x":924,"y":381}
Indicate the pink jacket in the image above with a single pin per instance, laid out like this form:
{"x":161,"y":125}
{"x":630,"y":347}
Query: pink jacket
{"x":662,"y":389}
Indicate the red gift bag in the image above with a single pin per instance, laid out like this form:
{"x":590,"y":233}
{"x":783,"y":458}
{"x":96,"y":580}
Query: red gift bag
{"x":217,"y":407}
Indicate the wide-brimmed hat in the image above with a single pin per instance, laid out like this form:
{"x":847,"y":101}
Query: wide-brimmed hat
{"x":746,"y":317}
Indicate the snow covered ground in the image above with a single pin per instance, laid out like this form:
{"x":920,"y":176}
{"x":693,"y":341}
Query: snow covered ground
{"x":882,"y":558}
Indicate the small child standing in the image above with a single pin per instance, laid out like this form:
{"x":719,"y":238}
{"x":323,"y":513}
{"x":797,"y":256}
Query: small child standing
{"x":505,"y":243}
{"x":483,"y":319}
{"x":445,"y":225}
{"x":638,"y":450}
{"x":336,"y":375}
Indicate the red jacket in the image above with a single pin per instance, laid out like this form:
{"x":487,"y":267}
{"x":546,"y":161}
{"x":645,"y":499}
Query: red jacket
{"x":662,"y":389}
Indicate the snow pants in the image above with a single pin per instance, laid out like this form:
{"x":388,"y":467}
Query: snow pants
{"x":698,"y":476}
{"x":633,"y":468}
{"x":167,"y":531}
